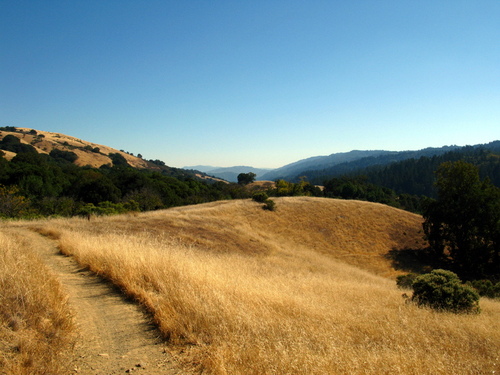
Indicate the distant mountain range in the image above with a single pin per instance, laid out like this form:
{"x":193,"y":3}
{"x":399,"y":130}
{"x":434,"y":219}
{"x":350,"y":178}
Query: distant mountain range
{"x":229,"y":173}
{"x":317,"y":167}
{"x":337,"y":164}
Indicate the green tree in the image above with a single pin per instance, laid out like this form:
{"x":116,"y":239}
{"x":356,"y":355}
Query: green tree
{"x":246,"y":178}
{"x":463,"y":224}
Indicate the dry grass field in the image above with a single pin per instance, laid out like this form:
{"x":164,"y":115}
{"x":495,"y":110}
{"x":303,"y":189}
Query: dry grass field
{"x":307,"y":289}
{"x":36,"y":327}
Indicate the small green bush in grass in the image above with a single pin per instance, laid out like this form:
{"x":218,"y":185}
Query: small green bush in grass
{"x":260,"y":197}
{"x":269,"y":205}
{"x":443,"y":290}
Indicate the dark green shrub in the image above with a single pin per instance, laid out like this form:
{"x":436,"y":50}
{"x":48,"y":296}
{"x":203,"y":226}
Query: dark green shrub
{"x":118,"y":160}
{"x":269,"y":205}
{"x":406,"y":281}
{"x":63,"y":155}
{"x":260,"y":197}
{"x":443,"y":290}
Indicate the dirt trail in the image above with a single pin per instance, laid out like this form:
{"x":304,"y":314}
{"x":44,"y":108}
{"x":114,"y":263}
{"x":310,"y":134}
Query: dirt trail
{"x":115,"y":336}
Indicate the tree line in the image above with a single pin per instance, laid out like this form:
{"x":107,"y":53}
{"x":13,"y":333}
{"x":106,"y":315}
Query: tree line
{"x":34,"y":184}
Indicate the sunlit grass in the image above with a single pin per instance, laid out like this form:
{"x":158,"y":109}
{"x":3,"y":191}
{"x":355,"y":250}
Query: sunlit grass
{"x":36,"y":327}
{"x":237,"y":290}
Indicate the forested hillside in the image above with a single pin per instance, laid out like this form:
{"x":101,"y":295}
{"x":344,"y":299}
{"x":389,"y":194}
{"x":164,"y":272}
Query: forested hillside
{"x":364,"y":165}
{"x":50,"y":183}
{"x":416,"y":176}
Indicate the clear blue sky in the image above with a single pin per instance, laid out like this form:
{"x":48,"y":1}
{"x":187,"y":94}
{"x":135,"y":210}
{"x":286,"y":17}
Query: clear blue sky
{"x":260,"y":83}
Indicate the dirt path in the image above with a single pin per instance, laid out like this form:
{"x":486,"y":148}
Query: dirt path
{"x":115,"y":336}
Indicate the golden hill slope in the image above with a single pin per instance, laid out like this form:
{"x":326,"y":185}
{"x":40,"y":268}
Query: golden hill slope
{"x":358,"y":233}
{"x":239,"y":290}
{"x":44,"y":142}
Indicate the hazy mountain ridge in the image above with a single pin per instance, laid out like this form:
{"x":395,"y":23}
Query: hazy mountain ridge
{"x":345,"y":163}
{"x":370,"y":161}
{"x":317,"y":167}
{"x":317,"y":162}
{"x":229,"y":173}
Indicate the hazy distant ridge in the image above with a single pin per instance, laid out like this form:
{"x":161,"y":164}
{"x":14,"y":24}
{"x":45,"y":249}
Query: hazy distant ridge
{"x":319,"y":162}
{"x":229,"y":173}
{"x":331,"y":165}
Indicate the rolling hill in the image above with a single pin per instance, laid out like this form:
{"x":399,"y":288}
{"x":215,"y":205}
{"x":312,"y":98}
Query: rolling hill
{"x":89,"y":153}
{"x":307,"y":289}
{"x":92,"y":154}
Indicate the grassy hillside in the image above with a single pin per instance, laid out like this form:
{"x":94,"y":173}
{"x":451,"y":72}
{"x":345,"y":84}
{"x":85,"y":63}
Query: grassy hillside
{"x":44,"y":142}
{"x":306,"y":289}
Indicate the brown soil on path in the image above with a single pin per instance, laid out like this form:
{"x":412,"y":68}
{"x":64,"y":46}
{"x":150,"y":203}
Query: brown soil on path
{"x":115,"y":335}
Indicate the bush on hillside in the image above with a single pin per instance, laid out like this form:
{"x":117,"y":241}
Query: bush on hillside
{"x":260,"y":197}
{"x":269,"y":205}
{"x":63,"y":155}
{"x":443,"y":290}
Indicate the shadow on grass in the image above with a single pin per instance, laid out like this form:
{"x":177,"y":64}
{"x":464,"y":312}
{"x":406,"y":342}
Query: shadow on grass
{"x":412,"y":260}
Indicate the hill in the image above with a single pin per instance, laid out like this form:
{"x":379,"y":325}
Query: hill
{"x":307,"y":289}
{"x":92,"y":154}
{"x":44,"y":173}
{"x":363,"y":234}
{"x":88,"y":153}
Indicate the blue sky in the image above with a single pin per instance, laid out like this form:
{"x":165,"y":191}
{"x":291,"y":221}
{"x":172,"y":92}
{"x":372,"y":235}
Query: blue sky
{"x":260,"y":83}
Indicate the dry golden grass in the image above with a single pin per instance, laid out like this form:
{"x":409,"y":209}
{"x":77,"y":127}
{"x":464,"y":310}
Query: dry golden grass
{"x":36,"y":328}
{"x":240,"y":290}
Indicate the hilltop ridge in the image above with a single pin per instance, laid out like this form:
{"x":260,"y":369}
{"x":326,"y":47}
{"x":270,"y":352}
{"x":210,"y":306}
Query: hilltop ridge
{"x":89,"y":153}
